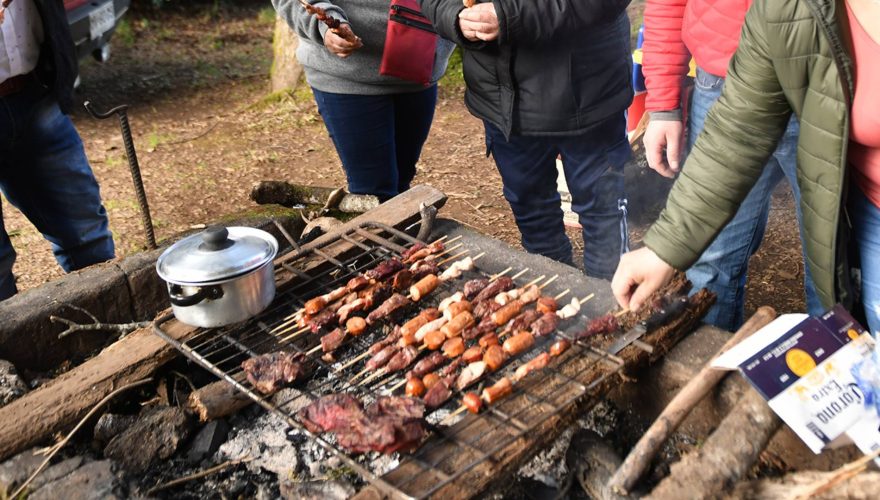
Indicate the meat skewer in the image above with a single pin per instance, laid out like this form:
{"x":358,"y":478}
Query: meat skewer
{"x":334,"y":24}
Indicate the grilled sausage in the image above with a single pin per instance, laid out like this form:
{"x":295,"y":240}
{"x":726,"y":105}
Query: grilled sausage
{"x":425,"y":286}
{"x":499,"y":390}
{"x":494,"y":357}
{"x":315,"y":305}
{"x":547,"y":305}
{"x":472,"y":402}
{"x":453,"y":347}
{"x":355,"y":326}
{"x":414,"y":387}
{"x":519,"y":343}
{"x":472,"y":354}
{"x":456,"y":308}
{"x":413,"y":325}
{"x":507,"y":312}
{"x":458,"y":324}
{"x":487,"y":340}
{"x":540,"y":361}
{"x":559,"y":347}
{"x":435,"y":339}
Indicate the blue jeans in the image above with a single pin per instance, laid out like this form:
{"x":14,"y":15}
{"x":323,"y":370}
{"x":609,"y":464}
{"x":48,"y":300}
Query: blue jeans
{"x":865,"y":218}
{"x":378,"y":137}
{"x":723,"y":267}
{"x":593,"y":166}
{"x":45,"y":174}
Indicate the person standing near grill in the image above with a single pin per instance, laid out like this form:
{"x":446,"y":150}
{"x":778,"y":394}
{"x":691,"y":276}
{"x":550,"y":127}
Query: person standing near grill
{"x":816,"y":60}
{"x":709,"y":30}
{"x":378,"y":123}
{"x":551,"y":79}
{"x":44,"y":171}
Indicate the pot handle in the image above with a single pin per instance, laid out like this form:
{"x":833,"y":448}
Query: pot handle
{"x":175,"y":293}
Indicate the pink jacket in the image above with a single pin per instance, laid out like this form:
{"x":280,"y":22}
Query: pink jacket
{"x":677,"y":29}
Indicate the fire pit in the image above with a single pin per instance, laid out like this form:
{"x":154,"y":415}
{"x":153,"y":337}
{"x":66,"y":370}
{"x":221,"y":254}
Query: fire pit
{"x":457,"y":449}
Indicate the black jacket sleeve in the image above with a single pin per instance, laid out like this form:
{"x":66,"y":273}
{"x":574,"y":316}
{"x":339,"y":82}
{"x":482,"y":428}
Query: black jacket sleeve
{"x":444,"y":16}
{"x":530,"y":22}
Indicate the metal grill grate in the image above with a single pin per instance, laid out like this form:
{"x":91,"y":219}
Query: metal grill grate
{"x":450,"y":451}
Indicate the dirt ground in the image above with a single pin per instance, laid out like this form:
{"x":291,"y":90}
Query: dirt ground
{"x":196,"y":78}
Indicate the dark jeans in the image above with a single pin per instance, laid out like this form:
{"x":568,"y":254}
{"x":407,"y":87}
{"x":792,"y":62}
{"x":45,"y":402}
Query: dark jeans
{"x":45,"y":174}
{"x":378,"y":137}
{"x":593,"y":166}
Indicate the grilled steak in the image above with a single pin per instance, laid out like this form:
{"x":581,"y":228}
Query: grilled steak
{"x":331,"y":412}
{"x":385,"y":269}
{"x":522,"y":321}
{"x":403,"y":279}
{"x":473,"y":287}
{"x":269,"y":372}
{"x":397,"y":406}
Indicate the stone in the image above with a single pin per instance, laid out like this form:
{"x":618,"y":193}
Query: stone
{"x":155,"y":435}
{"x":57,"y":471}
{"x":315,"y":490}
{"x":12,"y":386}
{"x":17,"y":469}
{"x":149,"y":294}
{"x":208,"y":440}
{"x":110,"y":425}
{"x":94,"y":480}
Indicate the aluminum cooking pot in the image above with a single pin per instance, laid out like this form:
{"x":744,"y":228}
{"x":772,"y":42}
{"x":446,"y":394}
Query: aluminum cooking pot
{"x":219,"y":276}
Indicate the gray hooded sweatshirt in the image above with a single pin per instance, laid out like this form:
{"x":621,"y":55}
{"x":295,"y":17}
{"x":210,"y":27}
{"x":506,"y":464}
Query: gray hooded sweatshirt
{"x":358,"y":73}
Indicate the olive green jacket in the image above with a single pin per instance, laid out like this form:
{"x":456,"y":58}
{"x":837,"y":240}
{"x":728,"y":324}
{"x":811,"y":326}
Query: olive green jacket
{"x":793,"y":57}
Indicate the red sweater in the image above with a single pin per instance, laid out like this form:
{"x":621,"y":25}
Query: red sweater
{"x":675,"y":30}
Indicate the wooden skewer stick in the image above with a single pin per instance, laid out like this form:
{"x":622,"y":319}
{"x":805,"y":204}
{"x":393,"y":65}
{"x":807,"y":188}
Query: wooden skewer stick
{"x":562,"y":294}
{"x":446,"y":251}
{"x":444,"y":261}
{"x":621,"y":313}
{"x":585,"y":299}
{"x":551,"y":280}
{"x":454,"y":414}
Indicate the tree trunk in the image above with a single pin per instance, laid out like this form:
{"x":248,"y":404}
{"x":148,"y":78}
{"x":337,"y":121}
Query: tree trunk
{"x":286,"y":69}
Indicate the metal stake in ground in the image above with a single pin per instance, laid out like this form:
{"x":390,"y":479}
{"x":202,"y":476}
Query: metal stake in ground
{"x":122,"y":113}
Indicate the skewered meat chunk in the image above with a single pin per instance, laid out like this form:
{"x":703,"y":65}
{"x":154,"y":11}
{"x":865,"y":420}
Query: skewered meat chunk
{"x":600,"y":326}
{"x":425,"y":286}
{"x":470,"y":374}
{"x":328,"y":314}
{"x":458,"y":323}
{"x":451,"y":369}
{"x":381,"y":358}
{"x":357,"y":283}
{"x":502,"y":284}
{"x":458,"y":267}
{"x":435,"y":339}
{"x":453,"y":347}
{"x":385,"y":269}
{"x":394,"y":304}
{"x":411,"y":255}
{"x":405,"y":256}
{"x":507,"y":312}
{"x":494,"y":357}
{"x":472,"y":402}
{"x":559,"y":347}
{"x":402,"y":359}
{"x":430,"y":380}
{"x":456,"y":308}
{"x":485,"y":308}
{"x":427,"y":365}
{"x":445,"y":303}
{"x":269,"y":372}
{"x":546,"y":304}
{"x":414,"y":387}
{"x":356,"y":326}
{"x":472,"y":354}
{"x":522,"y":322}
{"x":389,"y":339}
{"x":424,"y":268}
{"x":429,"y":327}
{"x":402,"y":280}
{"x":331,"y":412}
{"x":438,"y":394}
{"x":570,"y":310}
{"x":488,"y":340}
{"x":331,"y":341}
{"x":347,"y":310}
{"x":473,"y":287}
{"x":545,"y":325}
{"x":537,"y":363}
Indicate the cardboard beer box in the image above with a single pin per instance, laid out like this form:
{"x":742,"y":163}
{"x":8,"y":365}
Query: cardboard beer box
{"x":802,"y":366}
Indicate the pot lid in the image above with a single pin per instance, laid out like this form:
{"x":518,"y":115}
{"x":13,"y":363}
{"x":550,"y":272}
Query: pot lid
{"x":216,"y":254}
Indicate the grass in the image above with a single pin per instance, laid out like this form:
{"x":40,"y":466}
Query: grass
{"x":124,"y":33}
{"x":453,"y":79}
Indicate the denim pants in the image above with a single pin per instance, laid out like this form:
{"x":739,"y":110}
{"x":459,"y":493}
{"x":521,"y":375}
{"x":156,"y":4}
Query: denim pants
{"x":723,"y":267}
{"x":378,"y":137}
{"x":865,"y":217}
{"x":593,"y":166}
{"x":45,"y":174}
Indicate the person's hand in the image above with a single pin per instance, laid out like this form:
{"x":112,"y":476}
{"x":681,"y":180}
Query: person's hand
{"x":479,"y":22}
{"x":664,"y":141}
{"x":339,"y":45}
{"x":639,"y":274}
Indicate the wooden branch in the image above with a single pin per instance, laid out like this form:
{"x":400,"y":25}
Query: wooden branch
{"x":726,"y":456}
{"x":865,"y":485}
{"x":638,"y":460}
{"x":483,"y":432}
{"x":121,"y":328}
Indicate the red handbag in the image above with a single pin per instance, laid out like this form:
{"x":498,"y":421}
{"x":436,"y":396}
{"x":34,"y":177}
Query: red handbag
{"x":410,"y":43}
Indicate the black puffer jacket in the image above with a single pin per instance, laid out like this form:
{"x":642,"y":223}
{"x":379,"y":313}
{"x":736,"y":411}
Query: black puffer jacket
{"x":558,"y":67}
{"x":57,"y":68}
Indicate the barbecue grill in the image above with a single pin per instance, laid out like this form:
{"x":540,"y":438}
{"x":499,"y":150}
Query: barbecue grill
{"x":451,"y":452}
